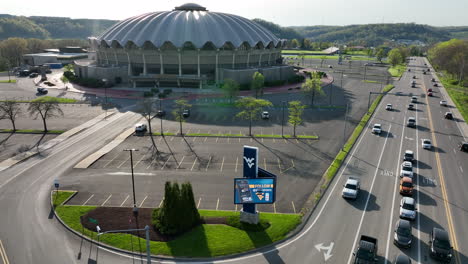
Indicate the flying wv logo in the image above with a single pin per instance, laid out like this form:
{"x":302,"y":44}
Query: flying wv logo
{"x":250,"y":162}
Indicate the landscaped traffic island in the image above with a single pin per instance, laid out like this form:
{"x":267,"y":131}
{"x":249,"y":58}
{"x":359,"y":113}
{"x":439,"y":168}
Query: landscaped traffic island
{"x":219,"y":232}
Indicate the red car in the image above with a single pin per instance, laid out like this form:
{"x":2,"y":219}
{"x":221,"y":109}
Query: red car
{"x":429,"y":90}
{"x":429,"y":94}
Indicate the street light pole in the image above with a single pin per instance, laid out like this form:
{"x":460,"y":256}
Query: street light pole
{"x":160,"y":118}
{"x":135,"y":208}
{"x":282,"y":120}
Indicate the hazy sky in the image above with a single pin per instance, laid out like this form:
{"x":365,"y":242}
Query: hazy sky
{"x":283,"y":12}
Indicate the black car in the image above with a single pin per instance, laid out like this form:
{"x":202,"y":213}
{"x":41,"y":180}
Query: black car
{"x":433,"y":80}
{"x":41,"y":90}
{"x":402,"y":259}
{"x":439,"y":245}
{"x":33,"y":75}
{"x":463,"y":146}
{"x":160,"y":113}
{"x":186,"y":113}
{"x":435,"y":84}
{"x":403,"y":234}
{"x":448,"y":115}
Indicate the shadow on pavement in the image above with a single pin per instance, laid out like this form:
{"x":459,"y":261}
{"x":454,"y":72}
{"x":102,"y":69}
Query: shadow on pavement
{"x":360,"y":202}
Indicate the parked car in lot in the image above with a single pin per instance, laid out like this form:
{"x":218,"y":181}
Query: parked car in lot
{"x":448,"y":115}
{"x":426,"y":143}
{"x":33,"y":75}
{"x":406,"y":186}
{"x":414,"y":76}
{"x":351,"y":188}
{"x":440,"y":247}
{"x":414,"y":99}
{"x":41,"y":90}
{"x":140,"y":128}
{"x":265,"y":115}
{"x":160,"y":113}
{"x":186,"y":113}
{"x":443,"y":103}
{"x":408,"y":156}
{"x":401,"y":259}
{"x":406,"y":169}
{"x":403,"y":234}
{"x":377,"y":129}
{"x":408,"y":208}
{"x":411,"y":122}
{"x":411,"y":107}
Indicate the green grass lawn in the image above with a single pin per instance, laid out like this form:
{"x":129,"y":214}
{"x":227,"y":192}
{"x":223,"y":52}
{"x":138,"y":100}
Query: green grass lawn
{"x":202,"y":241}
{"x":458,"y":94}
{"x":165,"y":134}
{"x":213,"y":135}
{"x":370,"y":81}
{"x":397,"y":70}
{"x":60,"y":197}
{"x":35,"y":131}
{"x":8,"y":81}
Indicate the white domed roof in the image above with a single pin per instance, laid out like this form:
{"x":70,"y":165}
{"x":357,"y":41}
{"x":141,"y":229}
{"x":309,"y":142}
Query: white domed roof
{"x":188,"y":23}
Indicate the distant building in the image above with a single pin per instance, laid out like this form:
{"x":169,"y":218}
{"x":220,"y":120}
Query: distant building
{"x":331,"y":50}
{"x":186,"y":47}
{"x":409,"y":42}
{"x":63,"y":55}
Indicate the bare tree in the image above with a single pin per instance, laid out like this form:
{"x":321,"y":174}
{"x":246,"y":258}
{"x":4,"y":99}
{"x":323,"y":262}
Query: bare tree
{"x":181,"y":106}
{"x":46,"y":107}
{"x":10,"y":110}
{"x":148,"y":110}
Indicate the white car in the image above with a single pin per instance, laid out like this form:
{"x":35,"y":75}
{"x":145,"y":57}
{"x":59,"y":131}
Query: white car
{"x":265,"y":115}
{"x":406,"y":169}
{"x":377,"y":129}
{"x":426,"y":143}
{"x":407,"y":208}
{"x":443,"y":103}
{"x":140,"y":128}
{"x":389,"y":107}
{"x":351,"y":188}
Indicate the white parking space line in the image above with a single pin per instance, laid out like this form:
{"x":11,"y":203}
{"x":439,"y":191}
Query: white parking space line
{"x":120,"y":165}
{"x":236,"y":208}
{"x":92,"y":195}
{"x":160,"y":203}
{"x":208,"y":164}
{"x":142,"y":156}
{"x":164,"y":165}
{"x":294,"y":207}
{"x":222,"y":165}
{"x":124,"y":201}
{"x":194,"y":162}
{"x":274,"y":207}
{"x":172,"y":138}
{"x":461,"y":169}
{"x":151,"y":164}
{"x":217,"y":204}
{"x":285,"y":141}
{"x":264,"y":164}
{"x":198,"y":204}
{"x":454,"y":151}
{"x":106,"y":200}
{"x":144,"y":199}
{"x":292,"y":162}
{"x":237,"y":161}
{"x":4,"y":254}
{"x":205,"y":139}
{"x":279,"y":164}
{"x":182,"y":160}
{"x":110,"y":161}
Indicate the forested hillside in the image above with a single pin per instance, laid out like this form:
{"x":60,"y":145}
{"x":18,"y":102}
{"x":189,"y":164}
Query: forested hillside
{"x":280,"y":32}
{"x":51,"y":27}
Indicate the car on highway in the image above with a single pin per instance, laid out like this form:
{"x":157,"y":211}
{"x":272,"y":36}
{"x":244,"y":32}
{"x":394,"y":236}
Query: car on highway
{"x":443,"y":103}
{"x":433,"y":80}
{"x":414,"y":99}
{"x":413,"y":85}
{"x":413,"y":82}
{"x":366,"y":252}
{"x":401,"y":259}
{"x":429,"y":94}
{"x":408,"y":156}
{"x":377,"y":129}
{"x":403,"y":236}
{"x":186,"y":113}
{"x":408,"y":208}
{"x":448,"y":115}
{"x":160,"y":113}
{"x":411,"y":122}
{"x":463,"y":146}
{"x":140,"y":128}
{"x":41,"y":90}
{"x":389,"y":107}
{"x":406,"y":186}
{"x":330,"y":66}
{"x":406,"y":169}
{"x":265,"y":115}
{"x":435,"y":85}
{"x":439,"y":245}
{"x":414,"y":76}
{"x":409,"y":70}
{"x":426,"y":143}
{"x":424,"y":72}
{"x":429,"y":90}
{"x":411,"y":107}
{"x":428,"y":69}
{"x":351,"y":188}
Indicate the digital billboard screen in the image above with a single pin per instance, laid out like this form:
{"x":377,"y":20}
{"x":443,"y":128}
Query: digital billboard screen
{"x":254,"y":190}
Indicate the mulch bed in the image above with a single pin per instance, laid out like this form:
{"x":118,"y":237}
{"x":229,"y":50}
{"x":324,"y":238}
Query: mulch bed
{"x":119,"y":218}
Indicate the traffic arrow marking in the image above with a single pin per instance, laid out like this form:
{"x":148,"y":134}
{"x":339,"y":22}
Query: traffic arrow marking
{"x":327,"y":250}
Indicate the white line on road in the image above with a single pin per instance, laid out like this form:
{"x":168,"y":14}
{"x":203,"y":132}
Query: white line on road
{"x":106,"y":200}
{"x":144,"y":199}
{"x":294,"y":207}
{"x":198,"y":204}
{"x":4,"y":254}
{"x":222,"y":165}
{"x":368,"y":197}
{"x":193,"y":165}
{"x":279,"y":164}
{"x":217,"y":204}
{"x":124,"y":201}
{"x":208,"y":164}
{"x":461,"y":169}
{"x":88,"y":199}
{"x":237,"y":161}
{"x":178,"y":166}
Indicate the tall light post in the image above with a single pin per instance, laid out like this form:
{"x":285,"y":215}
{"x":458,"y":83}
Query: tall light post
{"x":135,"y":208}
{"x":282,"y":120}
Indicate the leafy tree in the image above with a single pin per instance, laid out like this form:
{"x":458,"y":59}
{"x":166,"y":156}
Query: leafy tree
{"x":46,"y":107}
{"x":452,"y":57}
{"x":191,"y":214}
{"x":296,"y":109}
{"x":369,"y":52}
{"x":395,"y":57}
{"x":13,"y":49}
{"x":10,"y":110}
{"x":230,"y":88}
{"x":180,"y":106}
{"x":148,"y":110}
{"x":258,"y":83}
{"x":380,"y":54}
{"x":251,"y":108}
{"x":294,"y":43}
{"x":313,"y":87}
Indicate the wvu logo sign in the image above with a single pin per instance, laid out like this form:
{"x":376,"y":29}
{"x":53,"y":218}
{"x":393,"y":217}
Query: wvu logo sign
{"x":250,"y":161}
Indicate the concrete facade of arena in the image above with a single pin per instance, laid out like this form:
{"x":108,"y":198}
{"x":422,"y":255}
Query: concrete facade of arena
{"x":186,"y":47}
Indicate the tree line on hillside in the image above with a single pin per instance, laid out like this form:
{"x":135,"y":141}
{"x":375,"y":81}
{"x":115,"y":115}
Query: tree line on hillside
{"x":452,"y":58}
{"x":12,"y":49}
{"x":51,"y":27}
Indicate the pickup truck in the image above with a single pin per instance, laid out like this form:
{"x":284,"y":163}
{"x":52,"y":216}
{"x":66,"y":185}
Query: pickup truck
{"x":366,"y":252}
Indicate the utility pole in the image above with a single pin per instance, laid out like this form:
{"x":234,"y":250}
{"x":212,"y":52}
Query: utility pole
{"x":135,"y":208}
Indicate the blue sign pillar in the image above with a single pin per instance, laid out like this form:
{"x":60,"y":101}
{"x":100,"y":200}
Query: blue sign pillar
{"x":250,"y":171}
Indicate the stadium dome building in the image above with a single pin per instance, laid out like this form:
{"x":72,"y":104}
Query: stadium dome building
{"x":186,"y":47}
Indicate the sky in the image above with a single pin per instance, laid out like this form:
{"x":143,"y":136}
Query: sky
{"x":282,"y":12}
